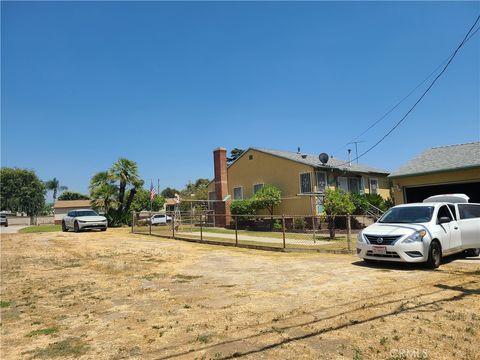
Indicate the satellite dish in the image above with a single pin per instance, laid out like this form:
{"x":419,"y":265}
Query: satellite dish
{"x":323,"y":158}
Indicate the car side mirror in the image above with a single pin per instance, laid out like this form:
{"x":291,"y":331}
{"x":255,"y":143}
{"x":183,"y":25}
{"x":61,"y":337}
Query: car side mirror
{"x":444,"y":220}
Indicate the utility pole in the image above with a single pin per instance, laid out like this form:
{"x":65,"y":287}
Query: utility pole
{"x":356,"y":148}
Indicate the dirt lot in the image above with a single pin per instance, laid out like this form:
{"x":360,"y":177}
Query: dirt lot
{"x":115,"y":295}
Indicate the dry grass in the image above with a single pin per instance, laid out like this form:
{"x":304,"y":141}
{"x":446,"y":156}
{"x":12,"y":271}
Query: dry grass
{"x":115,"y":295}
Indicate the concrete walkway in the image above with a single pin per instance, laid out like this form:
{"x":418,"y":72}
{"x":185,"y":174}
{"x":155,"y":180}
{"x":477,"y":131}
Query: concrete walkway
{"x":260,"y":239}
{"x":12,"y":229}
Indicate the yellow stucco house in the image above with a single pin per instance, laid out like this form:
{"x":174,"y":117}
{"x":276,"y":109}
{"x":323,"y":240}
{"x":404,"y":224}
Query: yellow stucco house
{"x":440,"y":170}
{"x":302,"y":178}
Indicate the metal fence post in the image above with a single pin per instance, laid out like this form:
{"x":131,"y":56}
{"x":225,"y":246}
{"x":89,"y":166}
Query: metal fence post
{"x":236,"y":230}
{"x":349,"y":233}
{"x":314,"y":230}
{"x":283,"y":230}
{"x":150,"y":227}
{"x":133,"y":221}
{"x":173,"y":226}
{"x":201,"y":228}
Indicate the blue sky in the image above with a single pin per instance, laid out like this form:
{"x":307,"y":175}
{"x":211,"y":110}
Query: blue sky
{"x":165,"y":83}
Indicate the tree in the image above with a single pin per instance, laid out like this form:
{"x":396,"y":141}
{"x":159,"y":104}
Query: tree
{"x":197,"y":190}
{"x":235,"y":154}
{"x":267,"y":198}
{"x":114,"y":190}
{"x":125,"y":171}
{"x":21,"y":191}
{"x":141,"y":201}
{"x":169,"y":192}
{"x":72,"y":195}
{"x":336,"y":202}
{"x":242,"y":207}
{"x":103,"y":192}
{"x":54,"y":185}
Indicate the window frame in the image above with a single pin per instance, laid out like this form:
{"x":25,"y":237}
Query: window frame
{"x":324,"y":177}
{"x":370,"y":186}
{"x":241,"y":192}
{"x":253,"y":187}
{"x":300,"y":181}
{"x":338,"y":183}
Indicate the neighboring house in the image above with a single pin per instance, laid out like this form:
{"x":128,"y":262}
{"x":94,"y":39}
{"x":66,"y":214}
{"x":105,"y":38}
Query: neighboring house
{"x":170,"y":204}
{"x":440,"y":170}
{"x":302,"y":179}
{"x":62,"y":207}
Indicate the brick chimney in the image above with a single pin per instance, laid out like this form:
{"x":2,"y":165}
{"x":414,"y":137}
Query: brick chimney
{"x":221,"y":187}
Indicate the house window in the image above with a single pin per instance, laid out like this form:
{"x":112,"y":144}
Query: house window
{"x":257,"y":188}
{"x":305,"y":183}
{"x":342,"y":183}
{"x":373,"y":186}
{"x":354,"y":185}
{"x":211,"y":196}
{"x":321,"y":181}
{"x":238,"y":193}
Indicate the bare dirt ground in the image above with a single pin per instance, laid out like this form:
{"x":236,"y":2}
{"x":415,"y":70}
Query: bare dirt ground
{"x":116,"y":295}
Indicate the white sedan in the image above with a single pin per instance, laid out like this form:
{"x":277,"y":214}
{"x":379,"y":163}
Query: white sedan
{"x":83,"y":219}
{"x":160,"y":219}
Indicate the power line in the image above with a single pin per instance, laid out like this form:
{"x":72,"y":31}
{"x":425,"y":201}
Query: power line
{"x":405,"y":97}
{"x":422,"y":96}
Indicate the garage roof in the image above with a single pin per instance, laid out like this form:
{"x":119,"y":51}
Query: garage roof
{"x":439,"y":159}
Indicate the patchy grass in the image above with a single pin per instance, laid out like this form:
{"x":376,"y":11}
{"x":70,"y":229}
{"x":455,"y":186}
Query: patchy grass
{"x":40,"y":228}
{"x":47,"y":331}
{"x":4,"y":304}
{"x":187,"y":277}
{"x":152,"y":276}
{"x":65,"y":348}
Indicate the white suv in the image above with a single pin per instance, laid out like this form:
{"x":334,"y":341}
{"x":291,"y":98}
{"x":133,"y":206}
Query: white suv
{"x":422,"y":232}
{"x":83,"y":219}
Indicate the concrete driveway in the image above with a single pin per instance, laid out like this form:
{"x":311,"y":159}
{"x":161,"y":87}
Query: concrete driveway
{"x":12,"y":229}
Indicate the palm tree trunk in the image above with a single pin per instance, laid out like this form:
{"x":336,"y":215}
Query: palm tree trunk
{"x":130,"y":199}
{"x":121,"y":196}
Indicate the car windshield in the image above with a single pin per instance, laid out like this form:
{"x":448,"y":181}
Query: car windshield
{"x":408,"y":214}
{"x":86,"y":213}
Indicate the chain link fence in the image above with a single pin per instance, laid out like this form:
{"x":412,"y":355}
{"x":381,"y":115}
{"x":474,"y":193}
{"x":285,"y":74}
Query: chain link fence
{"x":300,"y":232}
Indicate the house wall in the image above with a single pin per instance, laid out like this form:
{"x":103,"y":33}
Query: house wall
{"x":432,"y":179}
{"x":285,"y":174}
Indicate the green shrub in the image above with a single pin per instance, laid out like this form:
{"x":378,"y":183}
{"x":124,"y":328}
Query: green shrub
{"x":277,"y":225}
{"x":242,"y":207}
{"x":299,"y":223}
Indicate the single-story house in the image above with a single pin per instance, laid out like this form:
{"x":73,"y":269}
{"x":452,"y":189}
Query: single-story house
{"x":440,"y":170}
{"x":302,"y":179}
{"x":62,"y":207}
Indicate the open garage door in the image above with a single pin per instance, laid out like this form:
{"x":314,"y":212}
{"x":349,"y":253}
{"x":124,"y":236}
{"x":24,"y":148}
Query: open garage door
{"x":419,"y":193}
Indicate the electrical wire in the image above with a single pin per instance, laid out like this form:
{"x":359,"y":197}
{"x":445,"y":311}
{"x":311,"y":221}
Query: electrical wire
{"x":422,"y":96}
{"x":404,"y":98}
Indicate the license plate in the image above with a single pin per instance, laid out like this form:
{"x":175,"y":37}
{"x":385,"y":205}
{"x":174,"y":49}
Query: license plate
{"x":380,"y":250}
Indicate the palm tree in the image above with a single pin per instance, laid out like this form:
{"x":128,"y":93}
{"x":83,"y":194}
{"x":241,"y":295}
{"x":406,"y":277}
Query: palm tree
{"x":103,"y":192}
{"x":55,"y":186}
{"x":126,"y":173}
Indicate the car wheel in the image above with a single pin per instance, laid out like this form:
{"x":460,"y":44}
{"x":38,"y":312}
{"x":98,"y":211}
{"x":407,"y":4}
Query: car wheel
{"x":64,"y":227}
{"x":103,"y":229}
{"x":473,"y":252}
{"x":76,"y":227}
{"x":434,"y":255}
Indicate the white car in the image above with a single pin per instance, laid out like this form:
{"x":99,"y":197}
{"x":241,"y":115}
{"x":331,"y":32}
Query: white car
{"x":160,"y":219}
{"x":3,"y":220}
{"x":422,"y":232}
{"x":83,"y":219}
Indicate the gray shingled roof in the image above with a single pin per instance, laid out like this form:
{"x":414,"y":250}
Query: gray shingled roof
{"x":443,"y":158}
{"x":314,"y":161}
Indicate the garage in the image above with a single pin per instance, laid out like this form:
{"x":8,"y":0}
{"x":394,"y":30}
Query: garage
{"x":418,"y":193}
{"x":442,"y":170}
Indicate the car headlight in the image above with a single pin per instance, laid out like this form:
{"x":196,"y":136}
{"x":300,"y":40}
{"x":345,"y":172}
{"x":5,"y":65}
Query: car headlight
{"x":81,"y":221}
{"x":417,"y":236}
{"x":360,"y":237}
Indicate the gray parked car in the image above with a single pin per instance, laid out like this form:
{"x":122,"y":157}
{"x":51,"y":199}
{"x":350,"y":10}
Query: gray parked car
{"x":3,"y":220}
{"x":83,"y":219}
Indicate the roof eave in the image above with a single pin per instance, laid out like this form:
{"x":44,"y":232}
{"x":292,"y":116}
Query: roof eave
{"x":393,"y":176}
